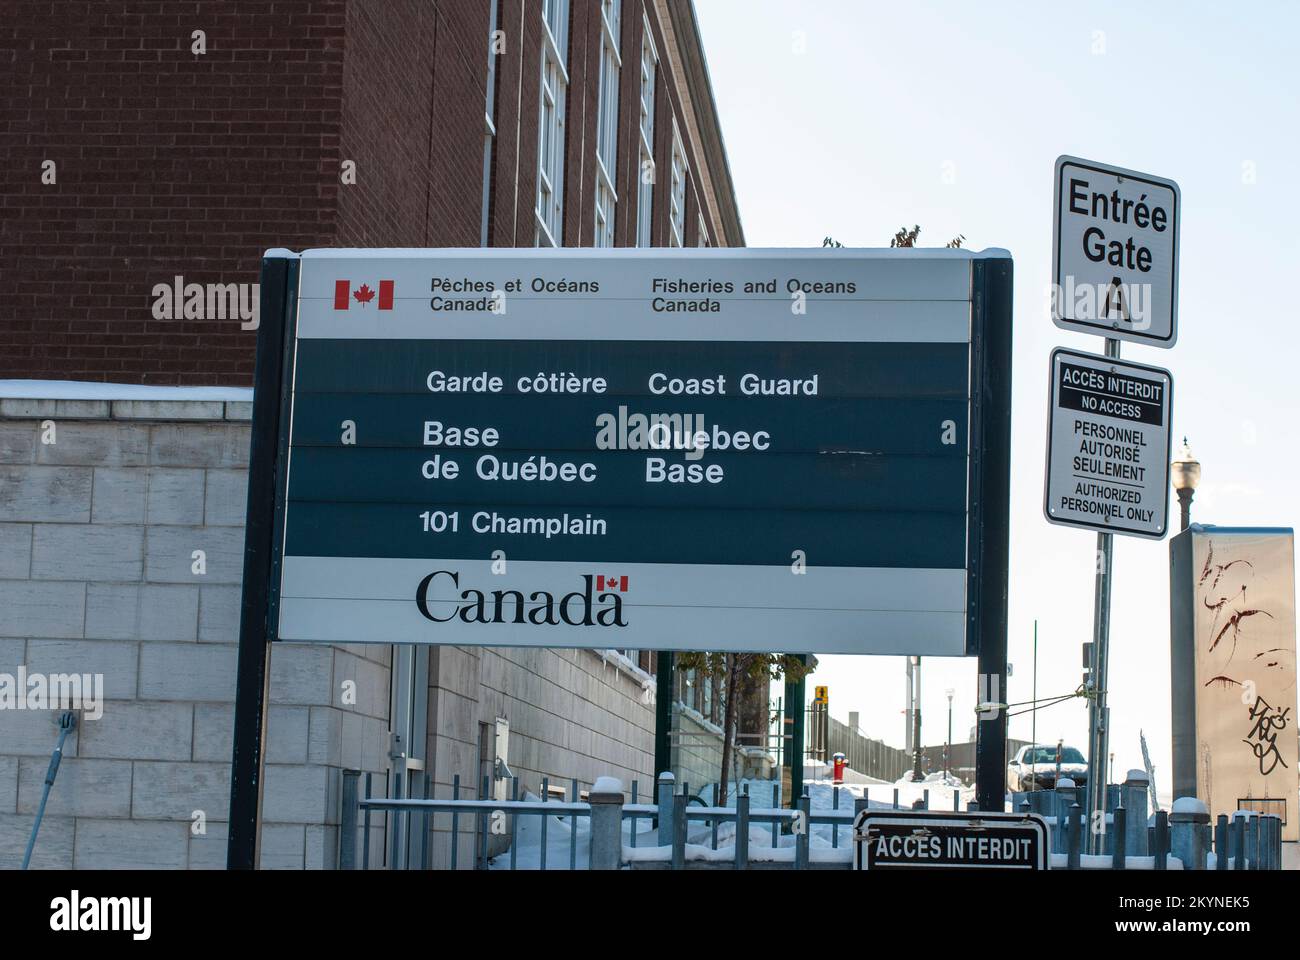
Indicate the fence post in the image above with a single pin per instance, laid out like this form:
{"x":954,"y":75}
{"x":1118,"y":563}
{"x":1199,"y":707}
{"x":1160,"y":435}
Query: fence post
{"x":1239,"y":840}
{"x":1119,"y":840}
{"x":667,"y":782}
{"x":801,"y":837}
{"x":680,"y":801}
{"x":348,"y":821}
{"x":742,"y":829}
{"x":1075,"y":838}
{"x":1252,"y":841}
{"x":1265,"y":842}
{"x":1221,"y":842}
{"x":1133,"y":794}
{"x":606,"y":800}
{"x":1061,"y":798}
{"x":1160,"y":848}
{"x":1187,"y":838}
{"x":365,"y":820}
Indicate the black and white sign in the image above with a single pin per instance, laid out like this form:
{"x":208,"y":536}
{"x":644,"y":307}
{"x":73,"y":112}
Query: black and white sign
{"x":1108,"y":445}
{"x":917,"y":840}
{"x":640,"y":449}
{"x":1115,"y":253}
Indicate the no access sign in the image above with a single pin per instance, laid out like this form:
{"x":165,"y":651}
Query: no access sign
{"x":1115,"y":253}
{"x":1108,"y":445}
{"x":916,"y":840}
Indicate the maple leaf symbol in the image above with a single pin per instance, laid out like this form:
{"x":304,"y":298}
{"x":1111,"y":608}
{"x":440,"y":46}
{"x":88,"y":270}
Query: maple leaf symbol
{"x":364,"y":294}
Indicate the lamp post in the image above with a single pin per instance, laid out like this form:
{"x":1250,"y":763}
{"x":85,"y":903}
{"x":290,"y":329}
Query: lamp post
{"x":947,"y":747}
{"x":1185,"y":474}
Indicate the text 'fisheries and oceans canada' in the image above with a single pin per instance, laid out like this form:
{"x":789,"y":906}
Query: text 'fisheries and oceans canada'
{"x":666,"y":294}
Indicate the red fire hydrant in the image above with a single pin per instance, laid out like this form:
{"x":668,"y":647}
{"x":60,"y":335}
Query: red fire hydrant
{"x":838,"y":760}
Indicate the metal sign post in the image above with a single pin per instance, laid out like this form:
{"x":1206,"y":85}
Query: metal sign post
{"x":1114,"y":273}
{"x":1107,"y":470}
{"x":1098,"y":713}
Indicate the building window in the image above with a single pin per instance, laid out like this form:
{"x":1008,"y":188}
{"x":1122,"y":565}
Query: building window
{"x":677,"y":194}
{"x":550,"y":124}
{"x":646,"y":136}
{"x":703,"y":239}
{"x":607,"y":123}
{"x":489,"y":116}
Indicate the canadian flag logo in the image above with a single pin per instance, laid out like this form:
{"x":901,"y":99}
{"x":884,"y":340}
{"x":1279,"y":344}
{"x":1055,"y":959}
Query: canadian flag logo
{"x":344,"y":294}
{"x":611,"y":583}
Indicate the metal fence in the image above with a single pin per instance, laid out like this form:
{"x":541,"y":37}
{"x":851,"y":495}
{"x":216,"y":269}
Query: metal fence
{"x":637,"y":835}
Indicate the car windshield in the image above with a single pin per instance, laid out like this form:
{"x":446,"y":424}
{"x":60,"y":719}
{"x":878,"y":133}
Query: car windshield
{"x":1048,"y":755}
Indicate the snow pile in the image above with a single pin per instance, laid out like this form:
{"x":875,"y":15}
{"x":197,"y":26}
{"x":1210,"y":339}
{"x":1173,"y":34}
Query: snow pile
{"x":560,"y":831}
{"x":827,"y":842}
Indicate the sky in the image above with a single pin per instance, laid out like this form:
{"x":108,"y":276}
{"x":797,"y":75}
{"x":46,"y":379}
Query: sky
{"x":852,"y":119}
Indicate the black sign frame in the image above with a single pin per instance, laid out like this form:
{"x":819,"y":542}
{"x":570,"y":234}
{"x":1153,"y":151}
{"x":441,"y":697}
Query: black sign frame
{"x":987,"y":546}
{"x":1012,"y":824}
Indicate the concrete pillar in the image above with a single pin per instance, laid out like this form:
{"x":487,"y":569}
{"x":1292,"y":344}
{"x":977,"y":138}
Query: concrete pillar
{"x":1252,"y":839}
{"x":1064,"y":796}
{"x":667,"y":784}
{"x":1189,"y":825}
{"x":1134,"y":794}
{"x":606,"y":799}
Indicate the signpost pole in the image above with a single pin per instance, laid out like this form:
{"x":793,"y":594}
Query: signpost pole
{"x":991,"y":473}
{"x":1098,"y":715}
{"x":796,"y":711}
{"x":256,"y":623}
{"x":663,"y":712}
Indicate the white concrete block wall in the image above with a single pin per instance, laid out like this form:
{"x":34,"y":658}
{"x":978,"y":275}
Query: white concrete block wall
{"x":572,"y":715}
{"x":97,"y":575}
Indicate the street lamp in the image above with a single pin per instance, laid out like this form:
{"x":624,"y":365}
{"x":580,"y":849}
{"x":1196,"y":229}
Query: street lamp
{"x":947,"y":747}
{"x":1185,"y":474}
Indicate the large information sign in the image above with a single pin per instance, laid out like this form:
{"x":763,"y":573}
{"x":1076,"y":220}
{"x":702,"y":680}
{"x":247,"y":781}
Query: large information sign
{"x":703,"y":449}
{"x":1108,"y":445}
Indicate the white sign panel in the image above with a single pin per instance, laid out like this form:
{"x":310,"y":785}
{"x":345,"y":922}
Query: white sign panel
{"x":1115,"y":253}
{"x":1108,"y":445}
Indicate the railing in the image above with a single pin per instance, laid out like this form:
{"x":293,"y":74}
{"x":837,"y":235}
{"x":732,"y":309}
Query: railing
{"x":1181,"y":840}
{"x":402,"y":812}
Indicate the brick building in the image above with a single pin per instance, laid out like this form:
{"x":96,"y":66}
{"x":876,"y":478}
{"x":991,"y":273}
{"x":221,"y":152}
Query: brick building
{"x":133,"y":159}
{"x":155,"y":150}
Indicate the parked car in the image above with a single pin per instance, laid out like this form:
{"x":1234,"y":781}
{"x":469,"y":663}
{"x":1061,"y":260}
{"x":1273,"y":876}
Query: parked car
{"x":1036,"y":768}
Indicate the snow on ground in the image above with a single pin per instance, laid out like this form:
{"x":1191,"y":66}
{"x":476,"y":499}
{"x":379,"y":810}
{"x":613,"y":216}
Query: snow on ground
{"x":826,"y":841}
{"x":559,"y":833}
{"x":818,"y":770}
